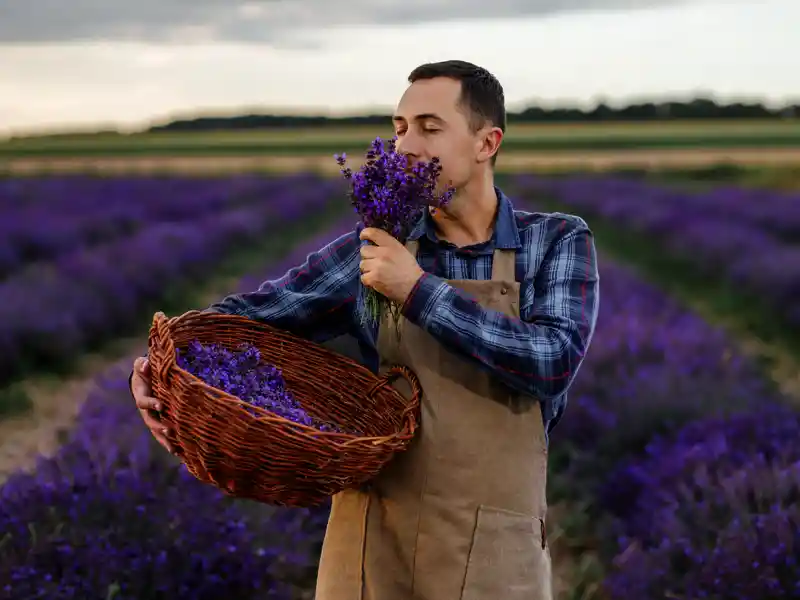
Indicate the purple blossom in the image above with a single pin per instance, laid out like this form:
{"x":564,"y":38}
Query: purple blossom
{"x":45,"y":217}
{"x":734,"y":537}
{"x":242,"y":374}
{"x":391,"y":192}
{"x":704,"y":452}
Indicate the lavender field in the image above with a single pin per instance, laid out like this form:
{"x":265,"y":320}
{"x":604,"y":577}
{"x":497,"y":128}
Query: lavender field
{"x":676,"y":455}
{"x":745,"y":240}
{"x":82,"y":260}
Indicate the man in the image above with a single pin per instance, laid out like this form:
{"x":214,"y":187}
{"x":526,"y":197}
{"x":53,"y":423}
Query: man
{"x":498,"y":310}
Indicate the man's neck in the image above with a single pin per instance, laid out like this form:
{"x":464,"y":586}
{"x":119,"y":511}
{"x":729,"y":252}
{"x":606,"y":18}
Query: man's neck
{"x":469,"y":218}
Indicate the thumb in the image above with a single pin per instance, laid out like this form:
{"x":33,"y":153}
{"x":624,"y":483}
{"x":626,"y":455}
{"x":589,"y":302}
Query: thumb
{"x":142,"y":365}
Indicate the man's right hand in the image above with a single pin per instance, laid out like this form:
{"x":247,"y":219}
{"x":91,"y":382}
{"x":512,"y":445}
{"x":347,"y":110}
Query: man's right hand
{"x":148,"y":406}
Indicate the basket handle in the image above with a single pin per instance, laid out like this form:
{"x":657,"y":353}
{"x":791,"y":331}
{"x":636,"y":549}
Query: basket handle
{"x":397,"y":372}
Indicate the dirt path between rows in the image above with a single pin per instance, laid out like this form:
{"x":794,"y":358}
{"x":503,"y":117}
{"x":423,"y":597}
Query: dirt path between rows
{"x":507,"y":163}
{"x":783,"y":365}
{"x":57,"y":400}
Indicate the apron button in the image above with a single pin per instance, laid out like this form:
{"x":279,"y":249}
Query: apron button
{"x":504,"y":291}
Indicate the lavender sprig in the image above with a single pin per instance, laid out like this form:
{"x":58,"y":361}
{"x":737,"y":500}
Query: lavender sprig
{"x":240,"y":373}
{"x":391,"y":193}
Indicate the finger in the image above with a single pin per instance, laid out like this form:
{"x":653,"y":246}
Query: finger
{"x":161,"y":439}
{"x":367,"y":265}
{"x":140,"y":385}
{"x":159,"y":431}
{"x":367,"y":279}
{"x":153,"y":423}
{"x":142,"y":365}
{"x":165,"y":444}
{"x":145,"y":402}
{"x":376,"y":236}
{"x":370,"y":251}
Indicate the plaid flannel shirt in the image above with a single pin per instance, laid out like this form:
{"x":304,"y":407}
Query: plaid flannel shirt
{"x":538,"y":354}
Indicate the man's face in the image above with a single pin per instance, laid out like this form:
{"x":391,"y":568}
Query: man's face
{"x":430,"y":121}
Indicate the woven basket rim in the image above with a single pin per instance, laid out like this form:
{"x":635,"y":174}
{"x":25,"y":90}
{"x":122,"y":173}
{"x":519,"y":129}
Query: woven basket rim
{"x":271,"y":418}
{"x":353,"y":364}
{"x":341,"y":440}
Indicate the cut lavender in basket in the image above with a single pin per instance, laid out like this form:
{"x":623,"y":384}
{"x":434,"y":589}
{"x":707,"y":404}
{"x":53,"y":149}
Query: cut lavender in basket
{"x":240,"y":373}
{"x":391,"y":193}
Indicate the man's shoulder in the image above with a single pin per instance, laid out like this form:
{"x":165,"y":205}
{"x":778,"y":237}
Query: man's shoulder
{"x":333,"y":249}
{"x":343,"y":239}
{"x":554,"y":225}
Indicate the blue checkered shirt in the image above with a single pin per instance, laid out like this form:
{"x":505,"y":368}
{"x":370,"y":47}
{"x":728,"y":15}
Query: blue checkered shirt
{"x":539,"y":354}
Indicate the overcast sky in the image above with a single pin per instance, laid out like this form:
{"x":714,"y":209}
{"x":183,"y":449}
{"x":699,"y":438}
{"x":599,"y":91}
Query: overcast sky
{"x":84,"y":62}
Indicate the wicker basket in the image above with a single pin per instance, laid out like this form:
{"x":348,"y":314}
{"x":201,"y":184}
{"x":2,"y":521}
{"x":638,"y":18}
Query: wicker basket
{"x":268,"y":458}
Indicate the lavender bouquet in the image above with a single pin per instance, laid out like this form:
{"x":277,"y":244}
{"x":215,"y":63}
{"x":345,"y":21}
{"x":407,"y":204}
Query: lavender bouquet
{"x":391,"y":193}
{"x":240,"y":373}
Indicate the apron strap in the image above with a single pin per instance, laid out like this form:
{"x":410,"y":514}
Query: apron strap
{"x":504,"y":265}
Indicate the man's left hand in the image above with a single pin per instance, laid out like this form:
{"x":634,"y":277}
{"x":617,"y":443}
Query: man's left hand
{"x":388,"y":267}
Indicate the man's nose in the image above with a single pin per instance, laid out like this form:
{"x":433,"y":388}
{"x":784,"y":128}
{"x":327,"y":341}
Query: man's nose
{"x":410,"y":145}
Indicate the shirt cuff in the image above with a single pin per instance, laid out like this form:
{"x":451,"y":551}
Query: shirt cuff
{"x":419,"y":306}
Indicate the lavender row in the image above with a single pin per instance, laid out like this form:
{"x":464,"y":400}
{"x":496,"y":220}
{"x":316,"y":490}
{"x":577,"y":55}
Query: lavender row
{"x":712,"y":512}
{"x":775,"y":214}
{"x":653,"y":367}
{"x":53,"y":311}
{"x":44,"y":218}
{"x":749,"y":239}
{"x":113,"y":511}
{"x":687,"y":453}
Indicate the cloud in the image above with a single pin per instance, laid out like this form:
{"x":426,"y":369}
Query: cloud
{"x":278,"y":22}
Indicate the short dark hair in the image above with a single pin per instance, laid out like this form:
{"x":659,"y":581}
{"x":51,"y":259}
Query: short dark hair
{"x":481,"y":92}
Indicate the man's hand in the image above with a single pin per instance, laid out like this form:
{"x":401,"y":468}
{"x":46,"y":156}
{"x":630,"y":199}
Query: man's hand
{"x":146,"y":403}
{"x":388,"y":267}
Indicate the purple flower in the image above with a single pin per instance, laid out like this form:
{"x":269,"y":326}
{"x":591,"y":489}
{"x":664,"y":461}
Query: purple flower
{"x":241,"y":373}
{"x":391,"y":193}
{"x":704,"y":452}
{"x":732,"y":537}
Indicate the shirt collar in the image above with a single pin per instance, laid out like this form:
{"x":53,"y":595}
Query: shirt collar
{"x":505,"y":233}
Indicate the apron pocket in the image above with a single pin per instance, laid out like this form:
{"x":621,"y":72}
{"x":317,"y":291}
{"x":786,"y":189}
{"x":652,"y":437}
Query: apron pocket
{"x":507,"y":559}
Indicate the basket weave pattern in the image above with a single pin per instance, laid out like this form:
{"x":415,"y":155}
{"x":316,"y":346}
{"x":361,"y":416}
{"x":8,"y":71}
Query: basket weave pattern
{"x":269,"y":458}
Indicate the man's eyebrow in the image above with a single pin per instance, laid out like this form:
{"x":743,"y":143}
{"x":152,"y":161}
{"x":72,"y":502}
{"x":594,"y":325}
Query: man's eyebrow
{"x":419,"y":117}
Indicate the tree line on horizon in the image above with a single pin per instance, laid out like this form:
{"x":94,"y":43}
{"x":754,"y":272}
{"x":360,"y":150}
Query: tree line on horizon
{"x":698,"y":109}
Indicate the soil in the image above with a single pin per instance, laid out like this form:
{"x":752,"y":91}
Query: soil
{"x":56,"y":402}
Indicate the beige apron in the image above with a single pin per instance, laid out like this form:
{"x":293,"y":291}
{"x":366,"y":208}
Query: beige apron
{"x":461,"y":514}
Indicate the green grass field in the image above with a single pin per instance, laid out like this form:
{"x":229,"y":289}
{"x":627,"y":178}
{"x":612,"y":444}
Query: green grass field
{"x":520,"y":138}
